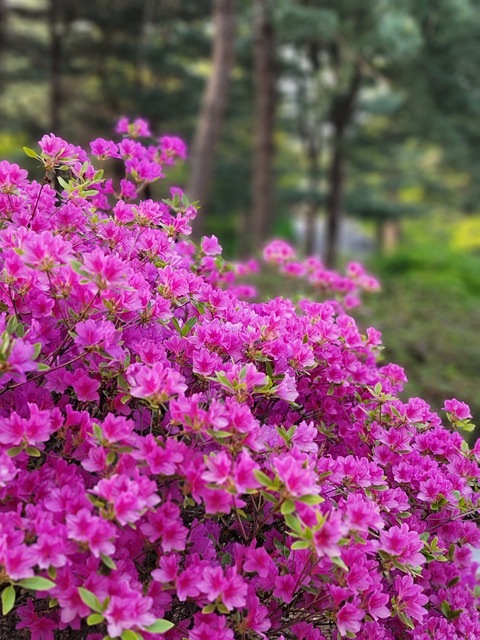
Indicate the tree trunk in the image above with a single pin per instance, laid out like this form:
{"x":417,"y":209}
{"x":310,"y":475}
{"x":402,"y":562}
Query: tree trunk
{"x":213,"y":108}
{"x":3,"y":40}
{"x":335,"y":198}
{"x":142,"y":67}
{"x":264,"y":74}
{"x":340,"y":117}
{"x":313,"y":153}
{"x":55,"y":26}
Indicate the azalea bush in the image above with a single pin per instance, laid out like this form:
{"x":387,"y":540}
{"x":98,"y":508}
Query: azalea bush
{"x":176,"y":461}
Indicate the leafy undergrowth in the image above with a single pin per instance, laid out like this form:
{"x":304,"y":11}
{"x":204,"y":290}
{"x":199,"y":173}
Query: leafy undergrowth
{"x":429,"y":313}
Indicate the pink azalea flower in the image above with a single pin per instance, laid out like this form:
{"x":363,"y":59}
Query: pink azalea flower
{"x":96,"y":532}
{"x":158,"y":383}
{"x":410,"y":597}
{"x":285,"y":587}
{"x":18,"y":562}
{"x":298,"y":480}
{"x":349,"y":619}
{"x":277,"y":252}
{"x":403,"y":544}
{"x":7,"y":469}
{"x":86,"y":388}
{"x":40,"y":627}
{"x":104,"y":148}
{"x":211,"y":627}
{"x":128,"y":612}
{"x":11,"y":177}
{"x":326,"y":538}
{"x":259,"y":561}
{"x":457,"y":410}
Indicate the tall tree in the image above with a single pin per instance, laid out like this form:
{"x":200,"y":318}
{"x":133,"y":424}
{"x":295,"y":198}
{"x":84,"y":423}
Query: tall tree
{"x":264,"y":78}
{"x":340,"y":117}
{"x":55,"y":28}
{"x":213,"y":106}
{"x":3,"y":39}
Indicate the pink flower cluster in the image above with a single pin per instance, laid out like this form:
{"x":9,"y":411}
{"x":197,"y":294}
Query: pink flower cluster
{"x":175,"y":460}
{"x":346,"y":288}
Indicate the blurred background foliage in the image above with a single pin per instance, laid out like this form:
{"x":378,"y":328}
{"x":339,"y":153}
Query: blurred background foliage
{"x":351,"y":128}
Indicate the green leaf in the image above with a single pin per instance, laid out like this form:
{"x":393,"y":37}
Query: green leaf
{"x":188,"y":326}
{"x":8,"y":599}
{"x":95,"y":618}
{"x":20,"y":331}
{"x":339,"y":563}
{"x":33,"y":451}
{"x":63,"y":182}
{"x":222,"y":608}
{"x":311,"y":499}
{"x":77,"y":267}
{"x":12,"y":324}
{"x":405,"y":619}
{"x":268,"y":496}
{"x":199,"y":306}
{"x":209,"y":608}
{"x":36,"y":583}
{"x":453,"y":582}
{"x":14,"y":451}
{"x":90,"y":599}
{"x":300,"y":544}
{"x":110,"y":459}
{"x":287,"y":507}
{"x":108,"y":562}
{"x":128,"y":634}
{"x":293,"y":523}
{"x":159,"y":626}
{"x":97,"y":431}
{"x":262,"y":478}
{"x":285,"y":551}
{"x":219,"y":434}
{"x":30,"y":152}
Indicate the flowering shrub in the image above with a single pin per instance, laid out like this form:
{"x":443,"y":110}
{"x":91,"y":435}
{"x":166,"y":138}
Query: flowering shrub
{"x":174,"y":460}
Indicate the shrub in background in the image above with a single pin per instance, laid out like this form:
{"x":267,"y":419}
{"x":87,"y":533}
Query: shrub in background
{"x":175,"y":460}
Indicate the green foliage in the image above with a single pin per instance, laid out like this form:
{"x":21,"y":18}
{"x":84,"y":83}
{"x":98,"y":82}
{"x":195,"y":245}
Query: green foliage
{"x":429,"y":314}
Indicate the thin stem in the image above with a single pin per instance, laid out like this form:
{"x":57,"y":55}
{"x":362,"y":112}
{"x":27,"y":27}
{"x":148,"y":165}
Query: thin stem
{"x":44,"y":373}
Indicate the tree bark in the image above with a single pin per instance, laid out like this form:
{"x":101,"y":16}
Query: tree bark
{"x":335,"y":198}
{"x":264,"y":78}
{"x":213,"y":108}
{"x":340,"y":117}
{"x":55,"y":26}
{"x":313,"y":153}
{"x":3,"y":39}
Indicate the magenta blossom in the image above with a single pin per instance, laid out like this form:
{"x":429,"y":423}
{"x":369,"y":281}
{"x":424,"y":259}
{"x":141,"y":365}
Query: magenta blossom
{"x":457,"y":410}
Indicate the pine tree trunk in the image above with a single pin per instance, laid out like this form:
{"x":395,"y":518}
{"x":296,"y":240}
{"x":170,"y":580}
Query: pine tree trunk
{"x":55,"y":25}
{"x":313,"y":153}
{"x":342,"y":111}
{"x":213,"y":108}
{"x":264,"y":74}
{"x":335,"y":198}
{"x":3,"y":39}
